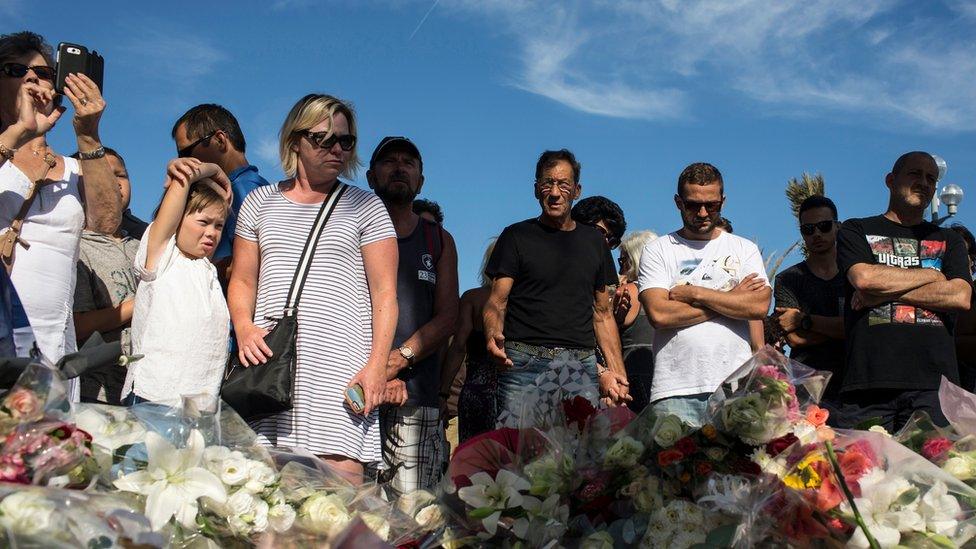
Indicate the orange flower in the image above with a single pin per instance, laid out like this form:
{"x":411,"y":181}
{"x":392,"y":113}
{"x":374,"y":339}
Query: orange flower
{"x":709,"y":431}
{"x":817,"y":415}
{"x":685,"y":477}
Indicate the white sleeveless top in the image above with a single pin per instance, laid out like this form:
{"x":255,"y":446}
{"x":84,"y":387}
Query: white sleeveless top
{"x":44,"y":274}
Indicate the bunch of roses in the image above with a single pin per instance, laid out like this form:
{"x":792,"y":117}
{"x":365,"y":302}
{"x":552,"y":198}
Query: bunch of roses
{"x":52,"y":453}
{"x":20,"y":405}
{"x":765,"y":409}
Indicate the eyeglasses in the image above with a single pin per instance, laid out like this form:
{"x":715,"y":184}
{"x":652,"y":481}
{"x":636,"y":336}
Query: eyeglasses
{"x":564,"y":186}
{"x":18,"y":70}
{"x":825,"y":227}
{"x":694,"y":207}
{"x":612,"y":241}
{"x":187,"y":151}
{"x":325,"y":140}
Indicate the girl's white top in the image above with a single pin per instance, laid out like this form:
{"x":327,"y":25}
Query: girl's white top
{"x":181,"y":324}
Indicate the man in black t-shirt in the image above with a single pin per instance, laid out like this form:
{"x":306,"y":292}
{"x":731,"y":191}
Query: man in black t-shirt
{"x":810,"y":296}
{"x":905,"y":278}
{"x":550,"y":306}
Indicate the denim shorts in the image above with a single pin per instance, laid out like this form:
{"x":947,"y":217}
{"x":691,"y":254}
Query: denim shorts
{"x":531,"y":391}
{"x":689,"y":408}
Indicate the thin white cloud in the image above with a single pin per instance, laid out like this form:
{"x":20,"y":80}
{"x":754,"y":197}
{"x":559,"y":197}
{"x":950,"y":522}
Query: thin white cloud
{"x":174,"y":55}
{"x":653,"y":59}
{"x":267,"y":151}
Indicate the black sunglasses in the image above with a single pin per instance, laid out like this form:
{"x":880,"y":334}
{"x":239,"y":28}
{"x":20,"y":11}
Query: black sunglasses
{"x":612,"y":241}
{"x":710,"y":207}
{"x":18,"y":70}
{"x":323,"y":140}
{"x":825,"y":227}
{"x":187,"y":151}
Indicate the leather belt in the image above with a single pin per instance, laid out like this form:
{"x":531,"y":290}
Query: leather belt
{"x":549,"y":352}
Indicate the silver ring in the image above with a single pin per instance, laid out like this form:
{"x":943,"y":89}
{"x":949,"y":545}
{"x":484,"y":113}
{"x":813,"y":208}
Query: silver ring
{"x":83,"y":101}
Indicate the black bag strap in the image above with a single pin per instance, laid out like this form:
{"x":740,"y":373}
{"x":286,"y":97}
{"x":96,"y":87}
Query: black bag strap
{"x":305,"y":262}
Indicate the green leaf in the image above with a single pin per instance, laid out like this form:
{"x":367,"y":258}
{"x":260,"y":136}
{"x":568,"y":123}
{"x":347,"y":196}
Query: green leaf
{"x":721,"y":536}
{"x":868,"y":423}
{"x":481,"y":512}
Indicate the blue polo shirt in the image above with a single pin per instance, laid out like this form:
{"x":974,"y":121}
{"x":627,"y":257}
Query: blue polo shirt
{"x":243,"y":180}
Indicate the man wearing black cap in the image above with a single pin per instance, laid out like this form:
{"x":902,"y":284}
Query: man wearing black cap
{"x":427,"y":294}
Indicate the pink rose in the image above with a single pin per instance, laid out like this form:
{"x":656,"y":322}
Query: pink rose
{"x":22,"y":403}
{"x":933,"y":448}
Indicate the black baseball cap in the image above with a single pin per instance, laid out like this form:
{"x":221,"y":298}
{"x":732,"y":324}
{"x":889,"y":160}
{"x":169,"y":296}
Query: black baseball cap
{"x":392,"y":141}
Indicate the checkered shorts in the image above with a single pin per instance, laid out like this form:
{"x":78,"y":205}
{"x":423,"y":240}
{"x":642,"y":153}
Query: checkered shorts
{"x":413,"y":446}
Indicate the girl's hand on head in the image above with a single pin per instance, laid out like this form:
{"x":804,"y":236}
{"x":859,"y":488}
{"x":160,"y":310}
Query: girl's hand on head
{"x":183,"y":171}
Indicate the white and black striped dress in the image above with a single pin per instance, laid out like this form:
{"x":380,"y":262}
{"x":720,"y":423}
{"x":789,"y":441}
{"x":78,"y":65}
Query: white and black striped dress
{"x":334,"y":314}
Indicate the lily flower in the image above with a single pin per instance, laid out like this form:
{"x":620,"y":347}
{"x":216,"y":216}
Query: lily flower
{"x":173,"y":481}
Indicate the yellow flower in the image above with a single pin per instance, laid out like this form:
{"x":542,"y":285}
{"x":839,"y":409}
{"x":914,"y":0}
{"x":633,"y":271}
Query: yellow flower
{"x":804,"y":476}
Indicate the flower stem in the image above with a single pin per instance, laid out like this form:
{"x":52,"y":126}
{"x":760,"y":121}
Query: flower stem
{"x":850,"y":497}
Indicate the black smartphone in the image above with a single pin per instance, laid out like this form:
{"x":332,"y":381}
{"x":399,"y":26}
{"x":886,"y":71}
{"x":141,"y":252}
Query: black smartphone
{"x":73,"y":58}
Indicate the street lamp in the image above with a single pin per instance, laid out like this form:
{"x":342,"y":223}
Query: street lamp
{"x":951,"y":194}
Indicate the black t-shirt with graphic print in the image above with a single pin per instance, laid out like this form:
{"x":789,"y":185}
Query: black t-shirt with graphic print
{"x":556,"y":273}
{"x":897,"y":345}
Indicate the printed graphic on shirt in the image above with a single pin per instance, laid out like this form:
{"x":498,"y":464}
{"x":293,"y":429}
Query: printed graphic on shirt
{"x":426,"y":271}
{"x":905,"y":253}
{"x":721,"y":273}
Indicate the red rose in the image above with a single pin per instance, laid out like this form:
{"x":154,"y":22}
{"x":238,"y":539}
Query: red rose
{"x":934,"y":448}
{"x":669,"y":456}
{"x":777,"y":445}
{"x":702,"y":468}
{"x":578,"y":410}
{"x":687,"y":446}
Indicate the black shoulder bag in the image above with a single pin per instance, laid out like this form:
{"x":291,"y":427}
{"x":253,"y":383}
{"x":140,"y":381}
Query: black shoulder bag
{"x":265,"y":389}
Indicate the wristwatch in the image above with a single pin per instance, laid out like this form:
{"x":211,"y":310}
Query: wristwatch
{"x":806,"y":323}
{"x":92,"y":155}
{"x":407,"y":353}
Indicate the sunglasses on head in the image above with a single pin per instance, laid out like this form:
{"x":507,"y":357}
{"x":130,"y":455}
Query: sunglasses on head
{"x":694,"y":207}
{"x":825,"y":227}
{"x":324,"y":140}
{"x":187,"y":151}
{"x":18,"y":70}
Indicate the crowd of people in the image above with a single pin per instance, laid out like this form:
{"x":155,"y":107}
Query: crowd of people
{"x":884,"y":303}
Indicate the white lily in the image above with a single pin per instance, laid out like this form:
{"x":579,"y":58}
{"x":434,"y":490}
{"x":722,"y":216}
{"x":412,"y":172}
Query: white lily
{"x":499,"y":493}
{"x":110,"y":429}
{"x":940,"y":509}
{"x":173,"y":481}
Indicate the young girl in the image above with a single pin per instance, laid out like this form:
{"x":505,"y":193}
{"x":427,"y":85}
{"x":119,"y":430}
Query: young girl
{"x":180,"y":319}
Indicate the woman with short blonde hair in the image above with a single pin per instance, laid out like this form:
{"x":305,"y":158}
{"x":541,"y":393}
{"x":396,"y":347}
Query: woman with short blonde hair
{"x":636,"y":333}
{"x":348,"y":310}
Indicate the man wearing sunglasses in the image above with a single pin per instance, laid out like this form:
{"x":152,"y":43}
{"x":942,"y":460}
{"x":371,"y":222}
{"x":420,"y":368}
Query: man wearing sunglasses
{"x":700,"y":286}
{"x":906,"y":280}
{"x":809,"y":296}
{"x":211,"y":134}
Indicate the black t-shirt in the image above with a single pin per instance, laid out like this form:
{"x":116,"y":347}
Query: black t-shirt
{"x":798,"y":288}
{"x":897,"y":345}
{"x":556,"y":273}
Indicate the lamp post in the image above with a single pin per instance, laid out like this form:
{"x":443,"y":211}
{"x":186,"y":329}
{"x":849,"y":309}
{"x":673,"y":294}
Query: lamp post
{"x":951,"y":195}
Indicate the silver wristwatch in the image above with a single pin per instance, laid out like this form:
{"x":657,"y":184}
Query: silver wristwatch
{"x":92,"y":155}
{"x":407,"y":353}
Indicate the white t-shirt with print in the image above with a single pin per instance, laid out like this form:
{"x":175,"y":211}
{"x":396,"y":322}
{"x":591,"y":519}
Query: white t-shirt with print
{"x":696,"y":359}
{"x":181,"y":324}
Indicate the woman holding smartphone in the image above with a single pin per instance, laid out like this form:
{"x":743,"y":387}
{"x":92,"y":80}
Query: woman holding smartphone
{"x":348,"y":310}
{"x":45,"y":198}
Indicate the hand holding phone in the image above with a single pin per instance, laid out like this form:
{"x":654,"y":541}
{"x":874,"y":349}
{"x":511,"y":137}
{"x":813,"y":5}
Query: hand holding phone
{"x":75,"y":59}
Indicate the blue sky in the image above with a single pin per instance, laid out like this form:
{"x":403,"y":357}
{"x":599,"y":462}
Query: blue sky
{"x":765,"y":90}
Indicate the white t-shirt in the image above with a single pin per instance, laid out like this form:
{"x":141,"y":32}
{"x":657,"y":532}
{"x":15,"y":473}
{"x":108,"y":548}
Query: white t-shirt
{"x":181,"y":324}
{"x":696,"y":359}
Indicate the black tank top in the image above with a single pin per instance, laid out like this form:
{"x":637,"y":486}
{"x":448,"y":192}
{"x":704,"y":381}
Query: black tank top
{"x":416,"y":280}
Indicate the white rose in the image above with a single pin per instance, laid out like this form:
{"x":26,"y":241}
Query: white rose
{"x":430,"y":517}
{"x":215,"y":454}
{"x":238,"y":525}
{"x":260,"y":516}
{"x":233,"y":471}
{"x":379,"y":525}
{"x":259,"y":477}
{"x":623,"y":453}
{"x":879,"y":429}
{"x":27,"y":513}
{"x":324,"y":513}
{"x":960,"y":467}
{"x":241,"y":503}
{"x":281,"y":517}
{"x":668,"y":430}
{"x":598,"y":540}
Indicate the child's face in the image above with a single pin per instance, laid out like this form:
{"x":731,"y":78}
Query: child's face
{"x":200,"y":231}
